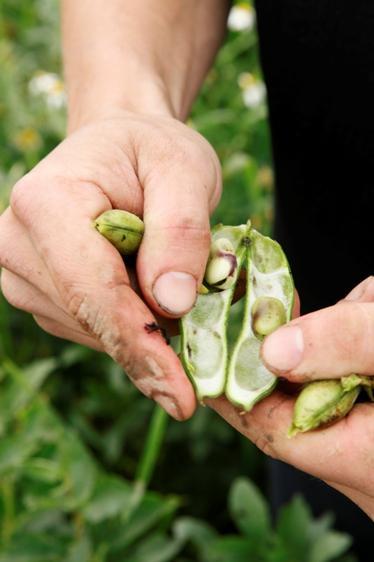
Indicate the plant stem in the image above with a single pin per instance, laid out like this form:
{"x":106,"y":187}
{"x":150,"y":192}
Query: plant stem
{"x":148,"y":459}
{"x":7,"y":490}
{"x":152,"y":447}
{"x":6,"y":345}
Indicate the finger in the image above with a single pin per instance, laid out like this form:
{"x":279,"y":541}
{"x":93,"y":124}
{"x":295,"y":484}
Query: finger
{"x":21,"y":294}
{"x":94,"y":286}
{"x":364,"y":292}
{"x":322,"y":453}
{"x":67,"y":333}
{"x":329,"y":343}
{"x":18,"y":255}
{"x":175,"y":247}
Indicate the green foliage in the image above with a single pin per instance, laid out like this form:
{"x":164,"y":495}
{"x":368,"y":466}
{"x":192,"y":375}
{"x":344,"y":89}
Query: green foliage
{"x":57,"y":503}
{"x":295,"y":538}
{"x":74,"y":469}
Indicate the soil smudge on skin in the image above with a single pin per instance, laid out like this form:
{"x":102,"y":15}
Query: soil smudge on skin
{"x":151,"y":327}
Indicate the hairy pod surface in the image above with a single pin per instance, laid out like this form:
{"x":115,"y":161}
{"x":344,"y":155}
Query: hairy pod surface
{"x":123,"y":229}
{"x":321,"y":402}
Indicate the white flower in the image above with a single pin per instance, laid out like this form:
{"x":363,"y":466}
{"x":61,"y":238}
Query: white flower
{"x":253,"y":90}
{"x":255,"y":95}
{"x":241,"y":18}
{"x":50,"y":86}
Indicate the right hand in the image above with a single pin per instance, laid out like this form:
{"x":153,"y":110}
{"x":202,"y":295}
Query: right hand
{"x":57,"y":267}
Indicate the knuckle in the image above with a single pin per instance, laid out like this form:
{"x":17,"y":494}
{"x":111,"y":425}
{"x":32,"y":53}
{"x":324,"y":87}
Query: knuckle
{"x":187,"y":228}
{"x":369,"y":281}
{"x":8,"y":290}
{"x":12,"y":290}
{"x":22,"y":196}
{"x":366,"y":336}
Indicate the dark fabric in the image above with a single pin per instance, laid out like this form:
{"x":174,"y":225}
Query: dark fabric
{"x":318,"y":63}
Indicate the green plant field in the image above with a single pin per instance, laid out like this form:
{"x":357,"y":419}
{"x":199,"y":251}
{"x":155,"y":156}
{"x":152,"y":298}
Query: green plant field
{"x":90,"y":471}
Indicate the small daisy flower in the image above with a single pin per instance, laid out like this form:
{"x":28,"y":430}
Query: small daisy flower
{"x":50,"y":86}
{"x":253,"y":90}
{"x":241,"y":18}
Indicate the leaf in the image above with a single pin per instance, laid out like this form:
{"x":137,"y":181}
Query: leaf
{"x":80,"y":551}
{"x":154,"y":548}
{"x":329,"y":546}
{"x":293,"y":528}
{"x":21,"y":386}
{"x":154,"y":510}
{"x":199,"y":533}
{"x":231,"y":549}
{"x":14,"y":450}
{"x":79,"y":472}
{"x":249,"y":510}
{"x":34,"y":548}
{"x":319,"y":526}
{"x":73,"y":354}
{"x":188,"y":528}
{"x":108,"y":499}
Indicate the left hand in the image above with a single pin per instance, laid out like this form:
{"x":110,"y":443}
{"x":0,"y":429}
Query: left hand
{"x":329,"y":343}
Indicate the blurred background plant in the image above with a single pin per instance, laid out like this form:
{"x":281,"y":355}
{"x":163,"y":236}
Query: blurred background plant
{"x":73,"y":468}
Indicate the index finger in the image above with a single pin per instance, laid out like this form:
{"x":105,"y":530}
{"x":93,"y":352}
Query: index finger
{"x":92,"y":281}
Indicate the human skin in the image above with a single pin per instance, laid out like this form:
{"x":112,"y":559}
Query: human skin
{"x":132,"y":71}
{"x":328,"y":343}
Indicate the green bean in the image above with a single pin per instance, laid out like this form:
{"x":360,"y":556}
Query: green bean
{"x":268,"y":305}
{"x":204,"y":350}
{"x":321,"y":402}
{"x":123,"y":229}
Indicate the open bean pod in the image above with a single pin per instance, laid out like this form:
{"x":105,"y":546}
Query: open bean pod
{"x":268,"y":304}
{"x":204,"y":343}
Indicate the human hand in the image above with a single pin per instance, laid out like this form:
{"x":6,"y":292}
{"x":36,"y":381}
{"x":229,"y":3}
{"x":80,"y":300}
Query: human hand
{"x":61,"y":270}
{"x":329,"y":343}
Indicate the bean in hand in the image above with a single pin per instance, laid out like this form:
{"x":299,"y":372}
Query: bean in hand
{"x":268,"y":304}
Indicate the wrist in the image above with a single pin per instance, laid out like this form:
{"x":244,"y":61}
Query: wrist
{"x":105,"y":98}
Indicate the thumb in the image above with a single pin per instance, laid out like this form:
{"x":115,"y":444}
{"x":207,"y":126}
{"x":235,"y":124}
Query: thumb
{"x":329,"y":343}
{"x":175,"y":247}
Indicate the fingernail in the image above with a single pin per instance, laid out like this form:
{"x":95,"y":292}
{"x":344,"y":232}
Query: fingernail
{"x":175,"y":291}
{"x":283,"y":350}
{"x":169,"y":405}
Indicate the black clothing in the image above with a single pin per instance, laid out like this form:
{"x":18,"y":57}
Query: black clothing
{"x":318,"y":63}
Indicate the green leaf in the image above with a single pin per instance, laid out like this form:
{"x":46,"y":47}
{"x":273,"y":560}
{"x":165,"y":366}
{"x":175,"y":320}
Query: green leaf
{"x":329,"y":546}
{"x":110,"y":496}
{"x":21,"y":386}
{"x":34,"y":548}
{"x":293,"y":528}
{"x":80,"y":551}
{"x":154,"y":548}
{"x":79,"y":471}
{"x":199,"y":533}
{"x":249,"y":510}
{"x":188,"y":528}
{"x":231,"y":549}
{"x":154,"y":510}
{"x":14,"y":450}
